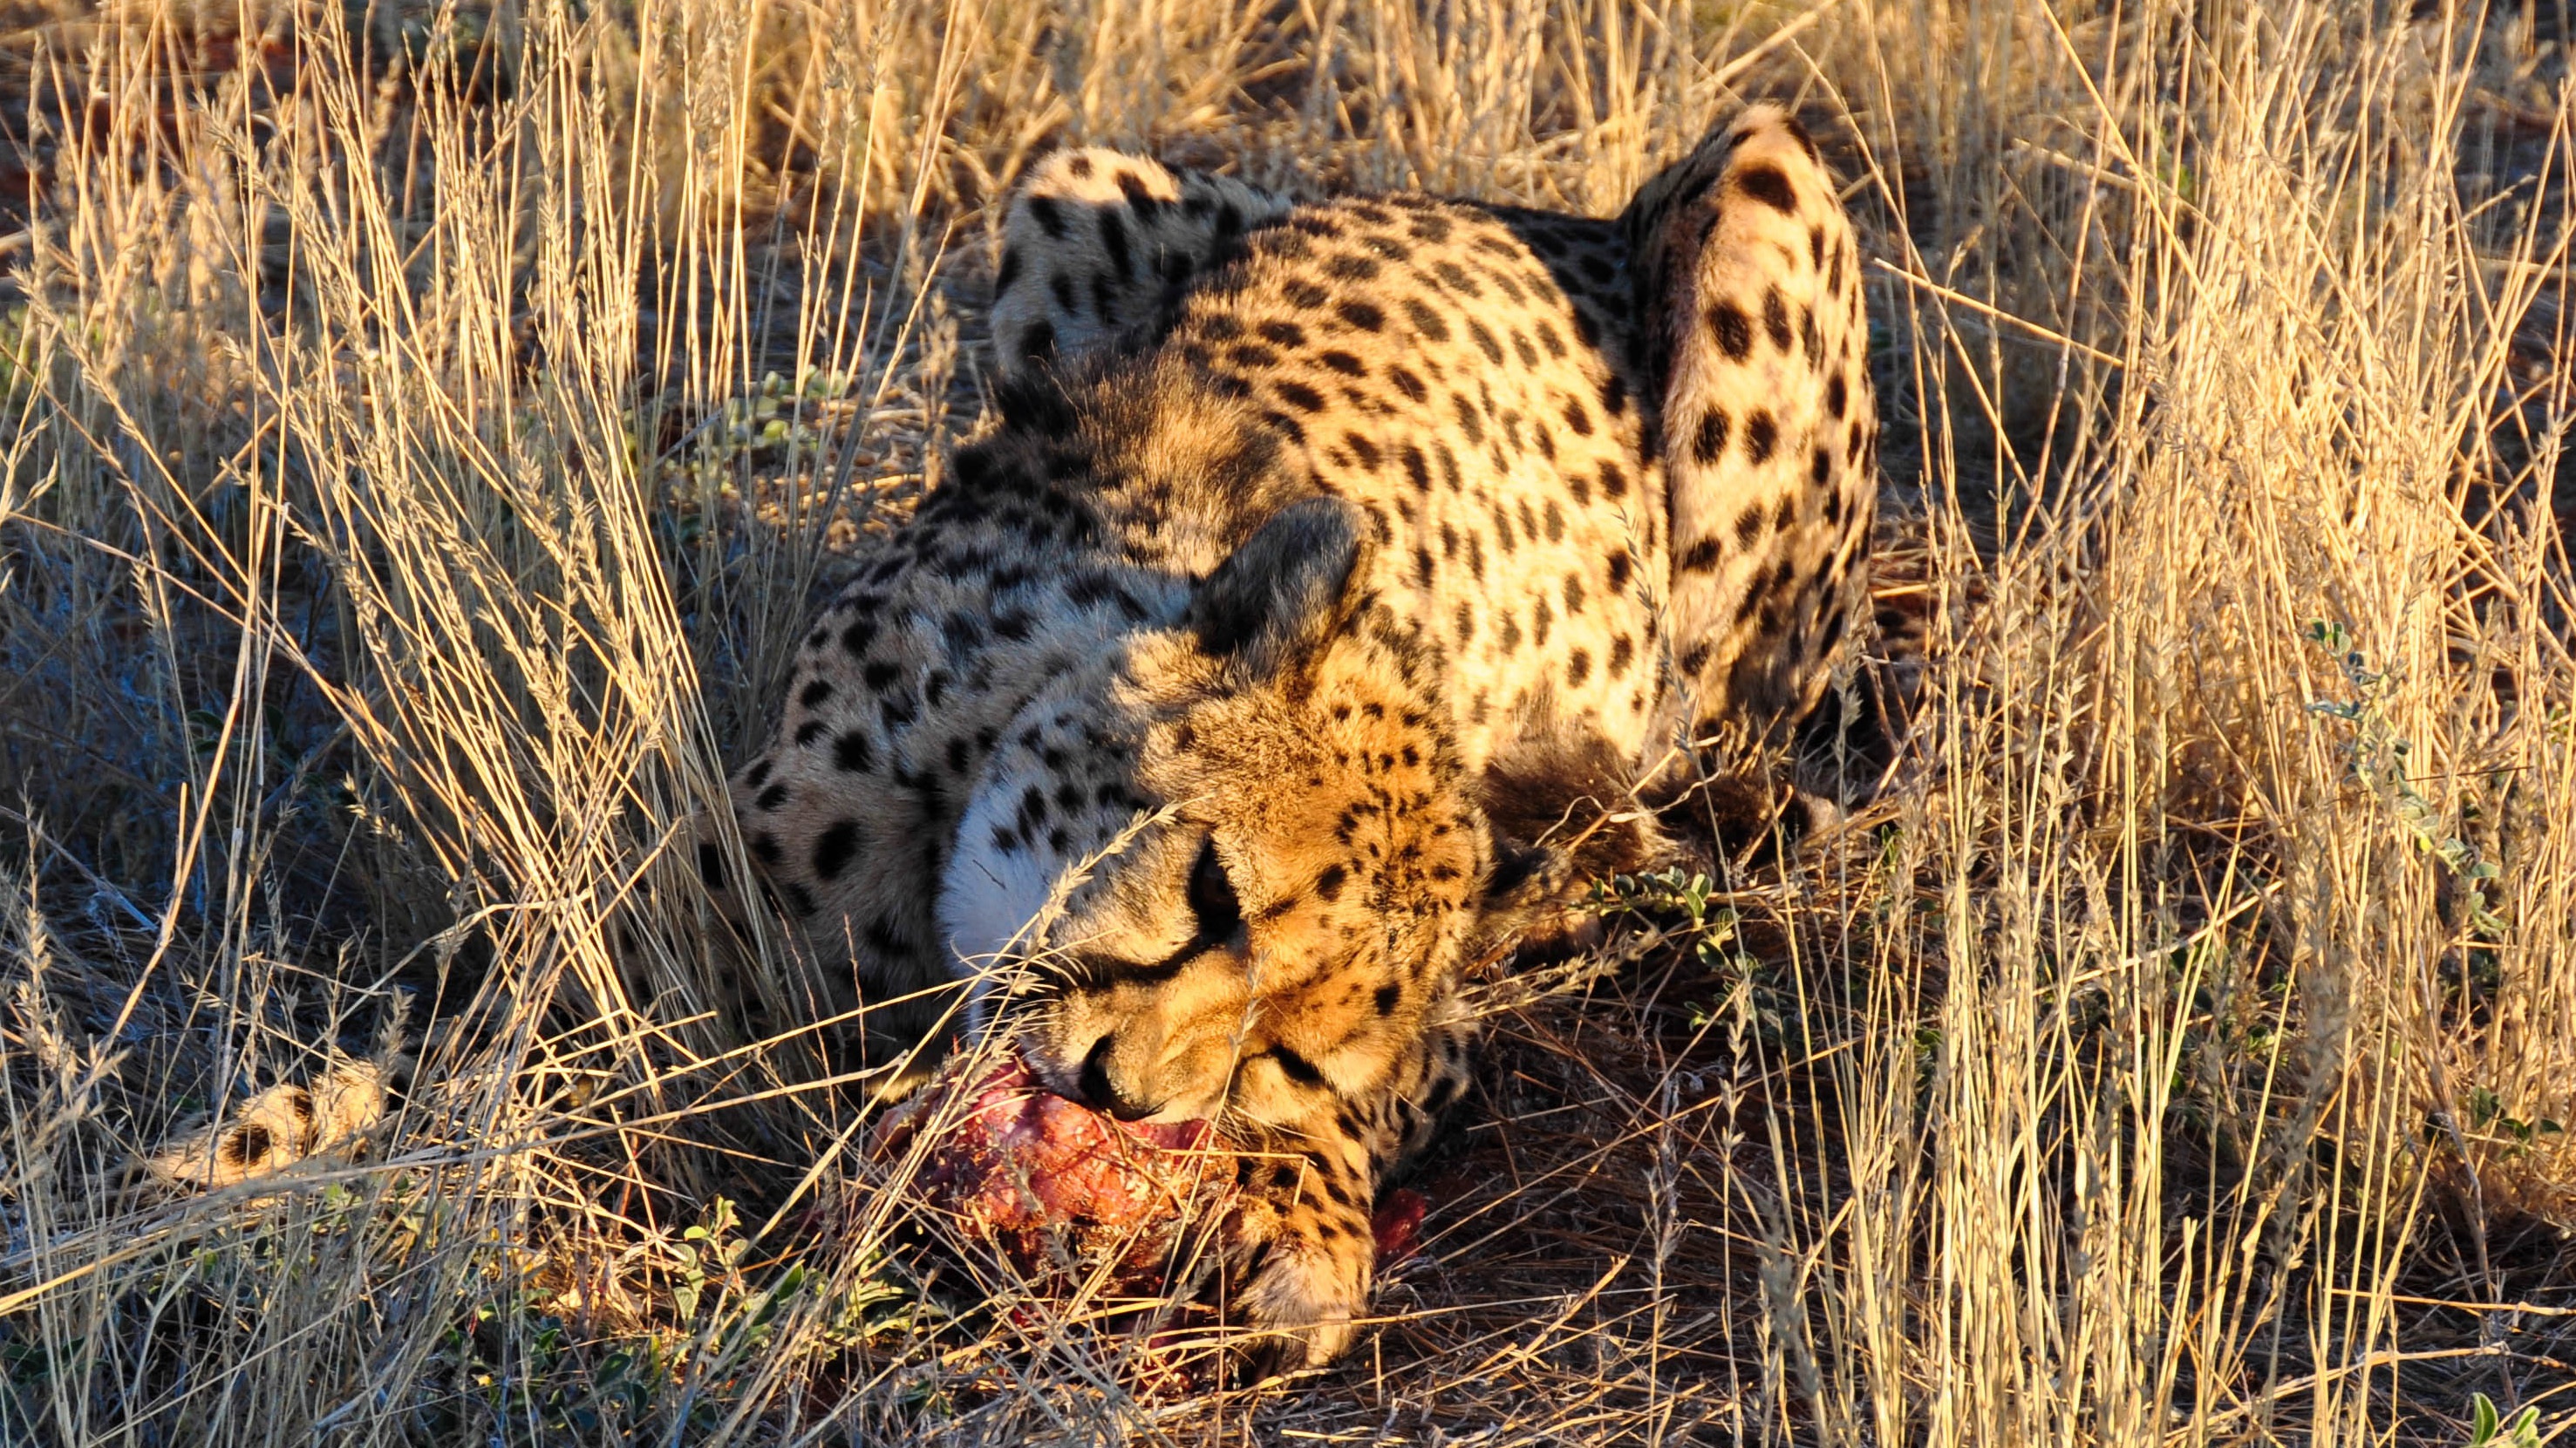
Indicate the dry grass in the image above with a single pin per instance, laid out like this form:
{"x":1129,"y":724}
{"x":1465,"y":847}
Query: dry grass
{"x":396,"y":534}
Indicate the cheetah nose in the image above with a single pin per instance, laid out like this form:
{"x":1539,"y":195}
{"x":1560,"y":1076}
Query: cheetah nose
{"x":1099,"y":1094}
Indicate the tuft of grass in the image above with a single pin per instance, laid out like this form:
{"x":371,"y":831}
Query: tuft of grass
{"x":429,"y":426}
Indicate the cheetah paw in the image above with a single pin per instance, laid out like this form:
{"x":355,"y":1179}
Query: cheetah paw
{"x":1302,"y":1304}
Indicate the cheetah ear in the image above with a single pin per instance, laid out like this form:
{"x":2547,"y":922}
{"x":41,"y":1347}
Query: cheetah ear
{"x":1292,"y":586}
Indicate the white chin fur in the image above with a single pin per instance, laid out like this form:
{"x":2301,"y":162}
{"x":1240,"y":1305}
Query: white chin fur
{"x":989,"y":898}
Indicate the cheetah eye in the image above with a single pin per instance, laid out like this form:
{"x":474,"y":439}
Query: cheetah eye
{"x":1212,"y":897}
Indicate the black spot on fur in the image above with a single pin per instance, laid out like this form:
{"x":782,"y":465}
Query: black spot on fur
{"x":1775,"y":319}
{"x":1750,"y":524}
{"x":1770,"y":186}
{"x":1761,"y":435}
{"x":1732,"y":330}
{"x":1708,"y":444}
{"x":853,"y":752}
{"x":1448,"y":461}
{"x":835,"y":848}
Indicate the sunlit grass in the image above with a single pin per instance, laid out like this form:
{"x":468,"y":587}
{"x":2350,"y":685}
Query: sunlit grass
{"x":428,"y":430}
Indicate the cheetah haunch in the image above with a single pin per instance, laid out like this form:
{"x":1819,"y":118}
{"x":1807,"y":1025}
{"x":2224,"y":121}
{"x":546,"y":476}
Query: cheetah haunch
{"x":1335,"y":575}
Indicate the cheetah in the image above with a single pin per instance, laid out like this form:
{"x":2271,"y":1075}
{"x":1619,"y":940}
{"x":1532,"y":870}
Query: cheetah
{"x":1304,"y":628}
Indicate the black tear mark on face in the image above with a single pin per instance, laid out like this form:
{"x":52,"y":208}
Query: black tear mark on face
{"x":1219,"y":912}
{"x":1296,"y":1067}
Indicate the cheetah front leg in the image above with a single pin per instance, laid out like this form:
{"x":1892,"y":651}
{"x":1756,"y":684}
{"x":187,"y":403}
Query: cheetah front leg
{"x":1748,"y":282}
{"x":1304,"y":1247}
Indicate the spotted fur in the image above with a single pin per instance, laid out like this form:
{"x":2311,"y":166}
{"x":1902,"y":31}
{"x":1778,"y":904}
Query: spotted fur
{"x":1099,"y":246}
{"x":1333,"y":577}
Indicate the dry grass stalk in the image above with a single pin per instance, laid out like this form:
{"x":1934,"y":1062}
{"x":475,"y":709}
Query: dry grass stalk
{"x":399,"y":525}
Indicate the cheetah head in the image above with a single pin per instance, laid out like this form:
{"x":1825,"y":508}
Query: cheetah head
{"x":1227,"y":867}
